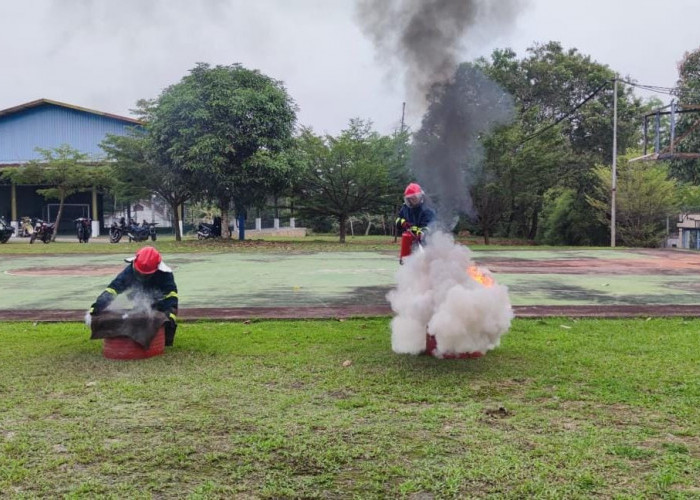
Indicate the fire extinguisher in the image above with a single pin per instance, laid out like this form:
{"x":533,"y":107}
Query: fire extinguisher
{"x":407,"y":239}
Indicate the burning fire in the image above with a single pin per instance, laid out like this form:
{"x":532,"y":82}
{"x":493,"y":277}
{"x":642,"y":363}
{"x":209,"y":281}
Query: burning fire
{"x":480,"y":276}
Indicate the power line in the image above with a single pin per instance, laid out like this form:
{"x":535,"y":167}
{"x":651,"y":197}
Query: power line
{"x":567,"y":115}
{"x":653,"y":88}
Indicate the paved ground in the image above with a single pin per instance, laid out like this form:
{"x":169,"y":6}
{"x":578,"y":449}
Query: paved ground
{"x":240,"y":286}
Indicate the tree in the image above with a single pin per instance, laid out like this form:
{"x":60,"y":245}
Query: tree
{"x":688,"y":87}
{"x":345,"y":175}
{"x":139,"y":171}
{"x":548,"y":85}
{"x":65,"y":170}
{"x":226,"y":124}
{"x":645,"y":197}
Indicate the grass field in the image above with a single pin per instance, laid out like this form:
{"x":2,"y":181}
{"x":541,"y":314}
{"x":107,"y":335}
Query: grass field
{"x":562,"y":409}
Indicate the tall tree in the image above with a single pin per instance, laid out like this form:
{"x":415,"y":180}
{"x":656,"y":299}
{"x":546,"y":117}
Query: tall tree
{"x":344,"y":175}
{"x":549,"y":85}
{"x":688,"y":126}
{"x":139,"y":171}
{"x":65,"y":170}
{"x":226,"y":124}
{"x":645,"y":197}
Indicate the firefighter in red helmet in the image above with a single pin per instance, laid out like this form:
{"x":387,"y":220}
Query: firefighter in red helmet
{"x":146,"y":273}
{"x":413,"y":220}
{"x":414,"y":216}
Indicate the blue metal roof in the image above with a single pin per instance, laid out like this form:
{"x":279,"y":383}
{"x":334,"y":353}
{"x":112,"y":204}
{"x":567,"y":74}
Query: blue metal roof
{"x":48,"y":124}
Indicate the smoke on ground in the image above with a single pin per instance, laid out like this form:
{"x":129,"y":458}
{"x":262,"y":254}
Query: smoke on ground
{"x":135,"y":302}
{"x":434,"y":290}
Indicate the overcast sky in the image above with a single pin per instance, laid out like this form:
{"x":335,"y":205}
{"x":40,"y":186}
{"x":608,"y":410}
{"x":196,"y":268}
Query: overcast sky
{"x":106,"y":54}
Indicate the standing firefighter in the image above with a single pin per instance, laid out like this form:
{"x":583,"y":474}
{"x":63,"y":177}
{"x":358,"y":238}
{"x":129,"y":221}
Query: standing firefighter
{"x":413,"y":219}
{"x":146,"y":274}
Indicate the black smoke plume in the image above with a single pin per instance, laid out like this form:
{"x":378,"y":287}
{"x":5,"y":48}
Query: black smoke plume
{"x":423,"y":40}
{"x":447,"y":153}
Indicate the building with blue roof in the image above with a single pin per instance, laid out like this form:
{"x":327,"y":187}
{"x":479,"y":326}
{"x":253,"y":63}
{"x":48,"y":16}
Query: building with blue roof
{"x":48,"y":124}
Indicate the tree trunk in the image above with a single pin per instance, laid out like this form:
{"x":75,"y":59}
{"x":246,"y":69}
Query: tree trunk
{"x":58,"y":217}
{"x":486,"y":236}
{"x":394,"y":229}
{"x":533,"y":227}
{"x":176,"y":212}
{"x":223,"y":206}
{"x":352,"y":229}
{"x":343,"y":219}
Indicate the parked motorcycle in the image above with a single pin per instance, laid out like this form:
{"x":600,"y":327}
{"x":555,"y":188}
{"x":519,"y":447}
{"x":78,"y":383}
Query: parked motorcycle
{"x":83,"y":228}
{"x":6,"y":230}
{"x":205,"y":230}
{"x":117,"y":230}
{"x":42,"y":230}
{"x":26,"y":227}
{"x":141,"y":232}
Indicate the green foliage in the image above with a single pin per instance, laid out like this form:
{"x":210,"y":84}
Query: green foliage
{"x":567,"y":219}
{"x":526,"y":161}
{"x":229,"y":126}
{"x":138,"y":170}
{"x":345,"y":175}
{"x":65,"y":170}
{"x":688,"y":170}
{"x":645,"y":197}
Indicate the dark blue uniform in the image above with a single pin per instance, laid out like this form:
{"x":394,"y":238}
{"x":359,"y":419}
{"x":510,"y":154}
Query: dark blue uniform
{"x":159,"y":287}
{"x":420,"y":217}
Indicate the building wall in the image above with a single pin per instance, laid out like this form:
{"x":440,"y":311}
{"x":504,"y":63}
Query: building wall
{"x":49,"y":126}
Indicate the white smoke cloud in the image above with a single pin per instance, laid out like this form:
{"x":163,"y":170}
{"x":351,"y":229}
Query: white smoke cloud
{"x":434,"y":293}
{"x":134,"y":302}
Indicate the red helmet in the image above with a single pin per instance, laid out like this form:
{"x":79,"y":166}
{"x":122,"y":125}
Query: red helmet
{"x":413,"y":195}
{"x":412,"y":189}
{"x":147,"y":260}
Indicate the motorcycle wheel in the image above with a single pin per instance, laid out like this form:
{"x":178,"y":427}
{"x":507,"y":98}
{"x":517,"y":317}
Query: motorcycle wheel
{"x":4,"y":238}
{"x":153,"y":237}
{"x":46,"y":239}
{"x":32,"y":238}
{"x":115,"y":236}
{"x":200,"y":236}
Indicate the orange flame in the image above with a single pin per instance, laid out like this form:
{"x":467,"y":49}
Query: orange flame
{"x":480,"y":276}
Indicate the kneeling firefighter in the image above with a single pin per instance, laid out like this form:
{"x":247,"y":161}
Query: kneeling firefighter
{"x":146,"y":274}
{"x":413,"y":219}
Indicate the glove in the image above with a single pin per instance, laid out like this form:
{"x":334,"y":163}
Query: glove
{"x":402,"y":223}
{"x":172,"y":317}
{"x":94,"y":309}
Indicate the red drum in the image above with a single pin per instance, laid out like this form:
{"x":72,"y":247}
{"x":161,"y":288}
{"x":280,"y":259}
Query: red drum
{"x":125,"y":348}
{"x":431,"y":347}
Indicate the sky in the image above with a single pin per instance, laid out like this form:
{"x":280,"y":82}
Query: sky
{"x":107,"y":54}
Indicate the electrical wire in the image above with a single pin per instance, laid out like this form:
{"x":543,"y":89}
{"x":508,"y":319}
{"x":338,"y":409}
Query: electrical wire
{"x":652,"y":88}
{"x":567,"y":115}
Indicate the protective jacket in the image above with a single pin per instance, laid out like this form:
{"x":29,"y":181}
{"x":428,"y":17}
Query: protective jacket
{"x":419,"y":217}
{"x":160,"y":287}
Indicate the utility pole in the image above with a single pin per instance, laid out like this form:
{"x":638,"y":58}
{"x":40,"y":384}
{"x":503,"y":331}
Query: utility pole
{"x":403,"y":113}
{"x":614,"y":166}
